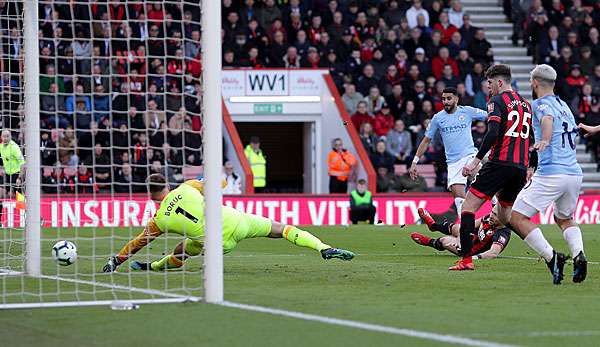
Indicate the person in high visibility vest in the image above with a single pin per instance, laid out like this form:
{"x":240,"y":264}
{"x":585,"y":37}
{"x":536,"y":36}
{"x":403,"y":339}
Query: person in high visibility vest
{"x":361,"y":204}
{"x":341,"y":163}
{"x":258,"y":164}
{"x":12,"y":162}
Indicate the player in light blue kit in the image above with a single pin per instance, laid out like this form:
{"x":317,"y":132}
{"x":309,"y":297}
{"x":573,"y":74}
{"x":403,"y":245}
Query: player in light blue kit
{"x":557,"y":179}
{"x":454,"y":125}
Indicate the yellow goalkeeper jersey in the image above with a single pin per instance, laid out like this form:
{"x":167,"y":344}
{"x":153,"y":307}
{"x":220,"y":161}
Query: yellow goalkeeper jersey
{"x":182,"y":212}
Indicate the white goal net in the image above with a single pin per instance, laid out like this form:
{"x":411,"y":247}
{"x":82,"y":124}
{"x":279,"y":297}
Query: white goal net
{"x":120,"y":98}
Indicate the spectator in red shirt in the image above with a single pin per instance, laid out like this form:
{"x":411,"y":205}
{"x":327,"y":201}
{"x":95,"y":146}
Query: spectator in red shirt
{"x":445,"y":28}
{"x":361,"y":116}
{"x":384,"y":121}
{"x":84,"y":181}
{"x":155,"y":13}
{"x":575,"y":82}
{"x":315,"y":30}
{"x":313,"y":59}
{"x":438,"y":63}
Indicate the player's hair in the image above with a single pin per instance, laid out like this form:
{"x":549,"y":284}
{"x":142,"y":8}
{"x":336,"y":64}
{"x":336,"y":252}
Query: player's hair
{"x":361,"y":181}
{"x":450,"y":90}
{"x":545,"y":74}
{"x":499,"y":71}
{"x":156,"y":183}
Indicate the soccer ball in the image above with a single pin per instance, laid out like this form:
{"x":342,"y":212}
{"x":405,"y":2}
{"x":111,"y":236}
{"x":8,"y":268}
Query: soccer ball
{"x":64,"y":252}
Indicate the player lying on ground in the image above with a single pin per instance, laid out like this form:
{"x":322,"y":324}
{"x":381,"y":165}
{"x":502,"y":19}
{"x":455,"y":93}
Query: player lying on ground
{"x":557,"y":180}
{"x":181,"y":211}
{"x":507,"y":139}
{"x":491,"y":239}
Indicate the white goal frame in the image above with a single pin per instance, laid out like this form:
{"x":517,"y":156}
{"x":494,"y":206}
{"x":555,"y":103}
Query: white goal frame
{"x":212,"y":148}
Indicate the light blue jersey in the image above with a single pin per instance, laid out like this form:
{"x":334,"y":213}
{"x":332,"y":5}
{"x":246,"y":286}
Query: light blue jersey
{"x":560,"y":157}
{"x":455,"y":129}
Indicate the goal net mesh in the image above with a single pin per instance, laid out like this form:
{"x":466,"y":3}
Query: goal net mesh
{"x":120,"y":99}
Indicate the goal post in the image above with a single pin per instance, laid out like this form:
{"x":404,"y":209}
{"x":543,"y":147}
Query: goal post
{"x":131,"y":73}
{"x":31,"y":71}
{"x":213,"y":154}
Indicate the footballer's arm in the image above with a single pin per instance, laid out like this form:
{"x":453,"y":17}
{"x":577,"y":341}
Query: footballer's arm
{"x":589,"y":130}
{"x":547,"y":123}
{"x":150,"y":233}
{"x":420,"y":151}
{"x":491,"y":253}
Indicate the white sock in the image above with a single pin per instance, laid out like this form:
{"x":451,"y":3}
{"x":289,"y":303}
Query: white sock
{"x":538,"y":243}
{"x":573,"y":237}
{"x":458,"y":203}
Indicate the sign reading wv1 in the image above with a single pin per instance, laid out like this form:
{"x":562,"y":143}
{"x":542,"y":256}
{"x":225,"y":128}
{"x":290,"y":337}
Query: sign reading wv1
{"x":261,"y":82}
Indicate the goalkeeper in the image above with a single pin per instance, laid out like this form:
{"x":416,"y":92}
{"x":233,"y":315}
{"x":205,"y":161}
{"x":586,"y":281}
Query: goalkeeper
{"x":181,"y":211}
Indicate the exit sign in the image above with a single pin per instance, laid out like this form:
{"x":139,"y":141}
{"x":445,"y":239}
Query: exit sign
{"x":268,"y":108}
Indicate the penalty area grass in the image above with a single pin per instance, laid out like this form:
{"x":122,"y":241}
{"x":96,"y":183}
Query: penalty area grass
{"x":392,"y":282}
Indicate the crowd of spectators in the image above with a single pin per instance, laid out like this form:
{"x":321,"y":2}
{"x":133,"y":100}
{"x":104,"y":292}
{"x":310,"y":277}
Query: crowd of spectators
{"x":120,"y":90}
{"x":565,"y":34}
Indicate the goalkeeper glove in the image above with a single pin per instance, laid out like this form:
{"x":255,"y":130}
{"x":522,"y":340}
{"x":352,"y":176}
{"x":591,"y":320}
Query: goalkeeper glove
{"x":112,"y":264}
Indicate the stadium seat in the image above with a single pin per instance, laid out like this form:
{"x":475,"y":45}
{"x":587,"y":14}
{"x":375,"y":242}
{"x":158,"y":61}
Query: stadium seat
{"x":428,"y":172}
{"x":400,"y":169}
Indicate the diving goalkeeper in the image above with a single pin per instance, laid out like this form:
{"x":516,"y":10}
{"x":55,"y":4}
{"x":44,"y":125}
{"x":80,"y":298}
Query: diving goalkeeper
{"x":181,"y":211}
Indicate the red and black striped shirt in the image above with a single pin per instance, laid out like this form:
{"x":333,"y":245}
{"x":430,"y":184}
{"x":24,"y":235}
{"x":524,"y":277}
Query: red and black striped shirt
{"x":487,"y":235}
{"x":514,"y":114}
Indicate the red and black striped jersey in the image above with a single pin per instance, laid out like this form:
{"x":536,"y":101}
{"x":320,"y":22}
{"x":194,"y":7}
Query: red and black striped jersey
{"x":515,"y":133}
{"x":487,"y":235}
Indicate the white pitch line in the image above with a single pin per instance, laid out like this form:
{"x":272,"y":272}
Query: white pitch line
{"x":451,"y":339}
{"x":535,"y":334}
{"x":534,"y":258}
{"x":384,"y":255}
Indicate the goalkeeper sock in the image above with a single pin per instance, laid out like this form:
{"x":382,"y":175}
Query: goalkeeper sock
{"x":167,"y":262}
{"x":303,"y":238}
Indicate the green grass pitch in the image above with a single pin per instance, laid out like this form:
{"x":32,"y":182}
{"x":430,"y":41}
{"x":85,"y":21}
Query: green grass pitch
{"x":391,"y":282}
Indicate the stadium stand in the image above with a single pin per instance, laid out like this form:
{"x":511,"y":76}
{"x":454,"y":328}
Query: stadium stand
{"x":564,"y":34}
{"x":120,"y":82}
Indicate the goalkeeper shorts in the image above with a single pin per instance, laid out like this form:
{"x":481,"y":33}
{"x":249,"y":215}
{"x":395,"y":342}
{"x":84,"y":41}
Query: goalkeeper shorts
{"x":248,"y":226}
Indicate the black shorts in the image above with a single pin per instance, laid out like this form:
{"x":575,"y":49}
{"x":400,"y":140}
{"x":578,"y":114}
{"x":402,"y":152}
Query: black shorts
{"x":504,"y":180}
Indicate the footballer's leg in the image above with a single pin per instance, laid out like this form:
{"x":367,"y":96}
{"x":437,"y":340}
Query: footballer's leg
{"x":491,"y":179}
{"x":471,"y":204}
{"x":445,"y":227}
{"x":303,"y":238}
{"x":429,"y":241}
{"x":458,"y":192}
{"x":572,"y":235}
{"x":536,"y":197}
{"x":185,"y":249}
{"x":564,"y":207}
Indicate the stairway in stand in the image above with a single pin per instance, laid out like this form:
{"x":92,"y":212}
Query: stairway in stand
{"x":488,"y":14}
